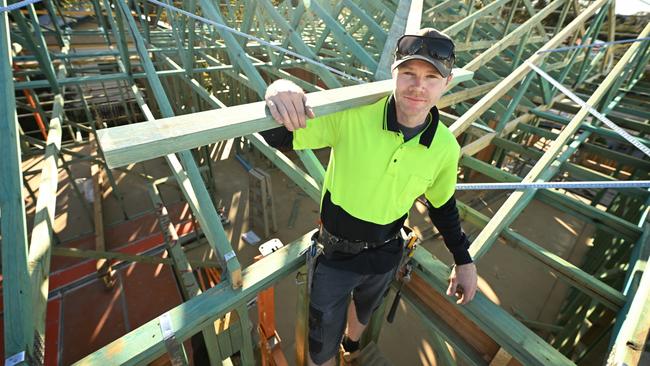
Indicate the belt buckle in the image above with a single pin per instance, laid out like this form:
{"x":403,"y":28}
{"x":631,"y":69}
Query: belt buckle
{"x":335,"y":239}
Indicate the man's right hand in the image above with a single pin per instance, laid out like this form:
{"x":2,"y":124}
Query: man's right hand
{"x":286,"y":101}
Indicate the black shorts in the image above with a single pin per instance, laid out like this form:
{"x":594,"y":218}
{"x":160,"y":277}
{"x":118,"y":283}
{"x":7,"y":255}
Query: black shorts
{"x":330,"y":294}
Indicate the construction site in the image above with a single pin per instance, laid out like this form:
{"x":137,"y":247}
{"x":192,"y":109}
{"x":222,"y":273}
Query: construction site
{"x":145,"y":221}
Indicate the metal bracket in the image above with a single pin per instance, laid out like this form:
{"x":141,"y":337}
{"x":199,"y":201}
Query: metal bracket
{"x":16,"y":359}
{"x":174,"y":349}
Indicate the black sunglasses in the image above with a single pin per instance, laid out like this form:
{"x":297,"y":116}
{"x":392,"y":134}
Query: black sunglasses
{"x":439,"y":48}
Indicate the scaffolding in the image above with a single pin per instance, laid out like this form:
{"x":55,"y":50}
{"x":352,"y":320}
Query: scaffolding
{"x":172,"y":79}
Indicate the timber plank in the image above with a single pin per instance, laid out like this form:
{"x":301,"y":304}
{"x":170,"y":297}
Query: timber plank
{"x":133,"y":143}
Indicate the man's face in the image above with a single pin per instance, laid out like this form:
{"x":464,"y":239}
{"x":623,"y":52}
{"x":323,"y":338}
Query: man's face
{"x":418,"y":87}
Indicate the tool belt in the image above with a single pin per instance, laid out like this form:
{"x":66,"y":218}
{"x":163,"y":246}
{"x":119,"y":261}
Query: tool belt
{"x":333,"y":244}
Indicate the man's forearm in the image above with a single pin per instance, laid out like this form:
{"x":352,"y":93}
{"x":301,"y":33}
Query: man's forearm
{"x":447,"y":221}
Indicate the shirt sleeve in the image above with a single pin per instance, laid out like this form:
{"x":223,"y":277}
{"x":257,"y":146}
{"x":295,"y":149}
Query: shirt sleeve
{"x":320,"y":132}
{"x":444,"y":184}
{"x":447,"y":221}
{"x":279,"y":138}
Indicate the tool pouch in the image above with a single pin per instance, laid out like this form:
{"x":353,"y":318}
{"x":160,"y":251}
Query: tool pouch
{"x":410,"y":241}
{"x":311,"y":258}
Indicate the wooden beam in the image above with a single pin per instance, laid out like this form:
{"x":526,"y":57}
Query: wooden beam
{"x":118,"y":256}
{"x":168,"y":135}
{"x":143,"y":141}
{"x":42,"y":233}
{"x":182,"y":269}
{"x":16,"y":287}
{"x":632,"y":339}
{"x":404,"y":21}
{"x":633,"y":320}
{"x":441,"y":318}
{"x":526,"y":346}
{"x":102,"y":265}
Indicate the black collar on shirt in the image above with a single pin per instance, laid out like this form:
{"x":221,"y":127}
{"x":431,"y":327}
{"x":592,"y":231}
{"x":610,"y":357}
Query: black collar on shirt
{"x":392,"y":125}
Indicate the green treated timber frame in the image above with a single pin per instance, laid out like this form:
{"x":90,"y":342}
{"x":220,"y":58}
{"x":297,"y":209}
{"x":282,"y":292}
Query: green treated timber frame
{"x":617,"y":224}
{"x":119,"y":256}
{"x":514,"y":36}
{"x":517,"y":200}
{"x":182,"y":269}
{"x":519,"y":341}
{"x":37,"y":262}
{"x":633,"y":320}
{"x":437,"y":326}
{"x":568,"y":272}
{"x":187,"y":174}
{"x":145,"y":343}
{"x":17,"y":294}
{"x":504,"y":86}
{"x":406,"y":11}
{"x":308,"y":182}
{"x":42,"y":239}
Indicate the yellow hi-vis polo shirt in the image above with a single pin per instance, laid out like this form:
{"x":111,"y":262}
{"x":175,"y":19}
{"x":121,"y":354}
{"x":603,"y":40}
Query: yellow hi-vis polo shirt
{"x":372,"y":173}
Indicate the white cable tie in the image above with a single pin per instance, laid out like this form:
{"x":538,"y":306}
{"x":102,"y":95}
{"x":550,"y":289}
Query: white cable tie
{"x":253,"y":38}
{"x":15,"y":359}
{"x":18,"y":5}
{"x":629,"y":138}
{"x":230,"y":255}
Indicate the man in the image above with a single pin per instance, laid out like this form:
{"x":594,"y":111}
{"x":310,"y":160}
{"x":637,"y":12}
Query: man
{"x":383,"y":157}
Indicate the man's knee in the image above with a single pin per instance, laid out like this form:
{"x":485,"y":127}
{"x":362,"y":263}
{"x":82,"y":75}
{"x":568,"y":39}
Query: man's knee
{"x":324,"y":334}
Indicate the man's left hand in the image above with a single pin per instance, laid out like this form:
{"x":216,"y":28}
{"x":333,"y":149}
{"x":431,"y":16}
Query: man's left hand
{"x":462,"y":283}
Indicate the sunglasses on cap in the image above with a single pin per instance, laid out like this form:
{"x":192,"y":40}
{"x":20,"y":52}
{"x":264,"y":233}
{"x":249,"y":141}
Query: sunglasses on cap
{"x":437,"y":48}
